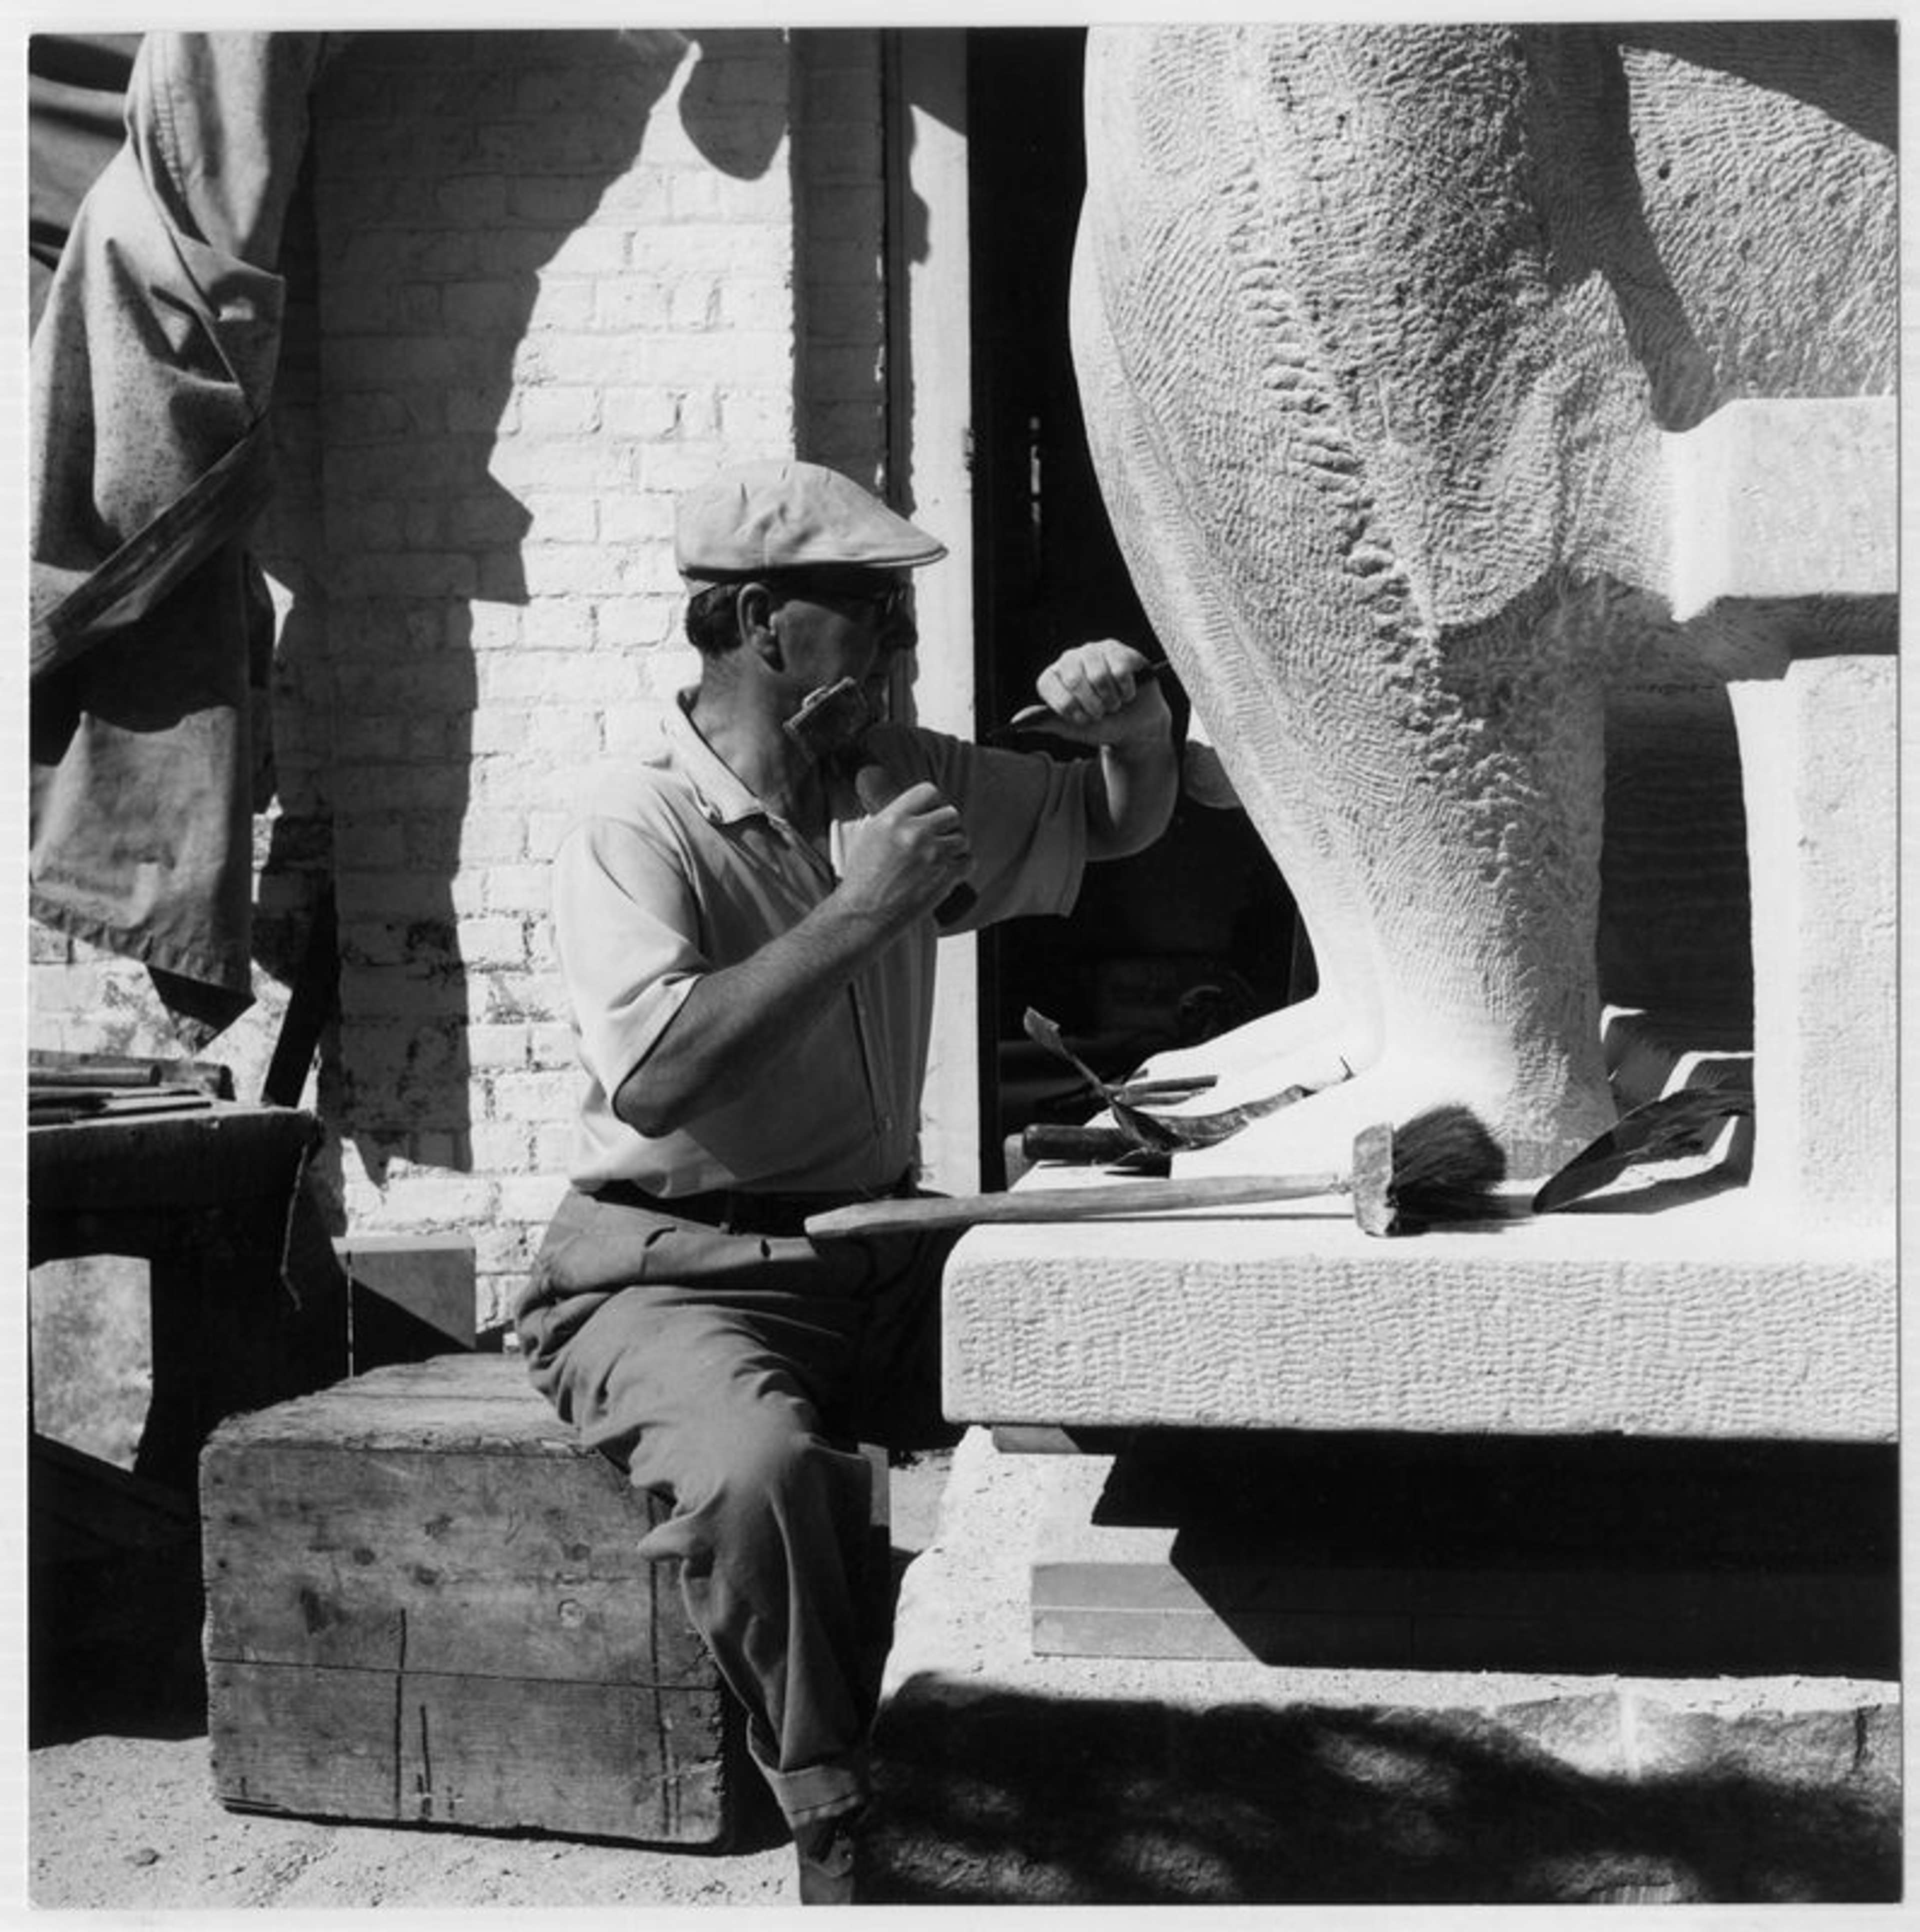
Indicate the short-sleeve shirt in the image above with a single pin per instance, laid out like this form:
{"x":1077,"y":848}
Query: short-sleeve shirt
{"x":673,"y":869}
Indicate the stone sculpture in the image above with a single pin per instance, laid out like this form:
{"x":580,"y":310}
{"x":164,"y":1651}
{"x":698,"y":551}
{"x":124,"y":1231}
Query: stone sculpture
{"x":1391,"y":343}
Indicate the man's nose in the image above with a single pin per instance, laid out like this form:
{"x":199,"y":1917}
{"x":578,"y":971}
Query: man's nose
{"x":898,"y":633}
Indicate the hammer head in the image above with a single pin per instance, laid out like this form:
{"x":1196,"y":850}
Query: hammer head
{"x":830,"y":720}
{"x":1372,"y":1180}
{"x":1441,"y":1168}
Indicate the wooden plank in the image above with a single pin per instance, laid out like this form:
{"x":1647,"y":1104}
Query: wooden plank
{"x":459,"y":1371}
{"x":582,"y":1758}
{"x":500,"y":1754}
{"x":447,"y":1557}
{"x":173,"y":1161}
{"x":412,"y":1296}
{"x":1256,"y":1588}
{"x":509,"y":1421}
{"x":1202,"y":1635}
{"x":1843,"y":1623}
{"x":322,"y":1743}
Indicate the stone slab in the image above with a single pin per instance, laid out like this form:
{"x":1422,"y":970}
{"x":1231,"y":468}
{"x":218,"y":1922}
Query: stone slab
{"x":1785,"y":496}
{"x":1820,"y":750}
{"x":1643,"y":1315}
{"x":1007,"y":1777}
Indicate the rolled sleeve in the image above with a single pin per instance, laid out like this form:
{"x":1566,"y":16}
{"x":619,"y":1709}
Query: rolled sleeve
{"x":1026,"y":818}
{"x":623,"y":915}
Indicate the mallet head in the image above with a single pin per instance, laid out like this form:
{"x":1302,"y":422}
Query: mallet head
{"x":1372,"y":1180}
{"x":830,"y":720}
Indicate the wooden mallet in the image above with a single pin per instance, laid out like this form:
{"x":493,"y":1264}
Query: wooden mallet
{"x":1441,"y":1168}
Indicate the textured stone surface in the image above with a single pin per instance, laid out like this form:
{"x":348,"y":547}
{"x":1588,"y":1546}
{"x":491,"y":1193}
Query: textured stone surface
{"x":1706,"y":1318}
{"x":1386,"y":337}
{"x":1006,"y":1778}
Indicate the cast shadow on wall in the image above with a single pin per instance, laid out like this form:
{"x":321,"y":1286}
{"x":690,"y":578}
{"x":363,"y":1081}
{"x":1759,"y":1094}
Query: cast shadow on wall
{"x":451,"y":169}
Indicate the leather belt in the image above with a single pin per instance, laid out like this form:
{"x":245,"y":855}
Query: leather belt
{"x":741,"y":1211}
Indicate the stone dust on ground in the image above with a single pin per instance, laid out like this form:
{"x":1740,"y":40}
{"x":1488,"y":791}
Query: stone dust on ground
{"x":131,"y":1823}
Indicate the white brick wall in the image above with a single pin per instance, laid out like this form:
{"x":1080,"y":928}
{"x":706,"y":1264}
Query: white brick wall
{"x":542,"y":307}
{"x":557,"y":283}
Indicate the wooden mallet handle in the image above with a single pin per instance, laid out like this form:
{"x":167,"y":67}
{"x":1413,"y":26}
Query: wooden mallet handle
{"x":1094,"y":1203}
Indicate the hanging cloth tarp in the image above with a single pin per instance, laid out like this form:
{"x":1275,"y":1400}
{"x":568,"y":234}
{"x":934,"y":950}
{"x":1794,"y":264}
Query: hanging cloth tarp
{"x":76,"y":118}
{"x":151,"y":368}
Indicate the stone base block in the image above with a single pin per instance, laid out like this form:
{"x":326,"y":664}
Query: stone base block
{"x":1779,"y":497}
{"x":1675,"y":1310}
{"x":1819,"y":748}
{"x":1008,"y":1777}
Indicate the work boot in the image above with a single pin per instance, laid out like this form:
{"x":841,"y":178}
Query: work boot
{"x":827,"y":1848}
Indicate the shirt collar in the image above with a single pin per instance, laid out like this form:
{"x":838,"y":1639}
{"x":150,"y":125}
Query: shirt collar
{"x":722,"y":796}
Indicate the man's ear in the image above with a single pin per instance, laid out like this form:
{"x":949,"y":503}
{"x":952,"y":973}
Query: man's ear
{"x":755,"y":612}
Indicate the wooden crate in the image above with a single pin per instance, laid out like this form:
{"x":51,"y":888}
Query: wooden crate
{"x":425,"y":1605}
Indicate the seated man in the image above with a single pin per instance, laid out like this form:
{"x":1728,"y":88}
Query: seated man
{"x":747,"y":935}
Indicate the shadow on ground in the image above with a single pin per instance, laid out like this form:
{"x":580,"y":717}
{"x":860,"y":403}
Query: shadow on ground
{"x":1039,"y":1801}
{"x":115,"y":1648}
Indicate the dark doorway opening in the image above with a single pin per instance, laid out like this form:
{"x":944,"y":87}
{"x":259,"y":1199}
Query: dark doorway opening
{"x":1197,"y":934}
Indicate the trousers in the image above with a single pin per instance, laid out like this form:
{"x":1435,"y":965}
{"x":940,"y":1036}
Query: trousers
{"x":731,"y":1374}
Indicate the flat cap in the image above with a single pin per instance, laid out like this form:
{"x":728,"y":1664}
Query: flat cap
{"x":788,"y":515}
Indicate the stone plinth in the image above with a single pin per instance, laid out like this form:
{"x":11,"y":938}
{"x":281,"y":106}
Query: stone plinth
{"x":1649,"y":1315}
{"x":1779,"y":497}
{"x":1762,"y":1309}
{"x":1005,"y":1777}
{"x":1820,"y":754}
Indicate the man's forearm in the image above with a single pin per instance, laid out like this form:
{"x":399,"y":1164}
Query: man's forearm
{"x":1129,"y":808}
{"x":737,"y":1020}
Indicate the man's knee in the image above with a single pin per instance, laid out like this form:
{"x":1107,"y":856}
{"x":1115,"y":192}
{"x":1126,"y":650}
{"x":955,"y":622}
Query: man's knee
{"x":780,"y":1473}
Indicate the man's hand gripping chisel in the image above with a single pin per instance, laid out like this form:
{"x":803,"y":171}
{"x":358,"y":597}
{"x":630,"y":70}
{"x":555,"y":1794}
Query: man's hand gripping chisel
{"x":831,"y":723}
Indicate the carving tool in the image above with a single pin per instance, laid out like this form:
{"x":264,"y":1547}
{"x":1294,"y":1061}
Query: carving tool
{"x":831,"y":723}
{"x":1441,"y":1168}
{"x":1033,"y":717}
{"x":1673,"y":1127}
{"x":1157,"y":1133}
{"x":1182,"y":1087}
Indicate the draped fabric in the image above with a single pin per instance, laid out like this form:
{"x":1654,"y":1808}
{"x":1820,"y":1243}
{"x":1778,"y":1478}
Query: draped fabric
{"x":151,"y":369}
{"x":76,"y":106}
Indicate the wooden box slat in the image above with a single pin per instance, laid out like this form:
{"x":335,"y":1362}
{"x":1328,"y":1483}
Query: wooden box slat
{"x":425,"y":1602}
{"x":435,"y":1748}
{"x":375,"y":1557}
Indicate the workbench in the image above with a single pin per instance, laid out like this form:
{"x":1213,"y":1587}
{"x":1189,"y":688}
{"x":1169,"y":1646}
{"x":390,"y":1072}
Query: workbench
{"x":248,"y":1305}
